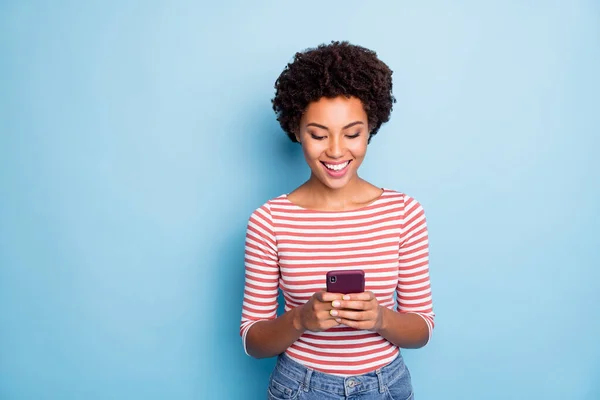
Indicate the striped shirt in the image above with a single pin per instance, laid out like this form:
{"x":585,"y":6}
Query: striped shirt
{"x":290,"y":248}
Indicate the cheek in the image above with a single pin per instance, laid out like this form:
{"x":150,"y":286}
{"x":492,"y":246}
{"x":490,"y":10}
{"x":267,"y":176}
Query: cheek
{"x":359,"y":150}
{"x":311,"y":153}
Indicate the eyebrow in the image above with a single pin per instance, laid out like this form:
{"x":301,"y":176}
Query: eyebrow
{"x":350,"y":125}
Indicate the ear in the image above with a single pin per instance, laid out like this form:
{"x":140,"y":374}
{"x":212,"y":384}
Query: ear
{"x":297,"y":134}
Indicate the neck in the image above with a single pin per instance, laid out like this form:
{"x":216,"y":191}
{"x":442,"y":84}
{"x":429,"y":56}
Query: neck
{"x":335,"y":198}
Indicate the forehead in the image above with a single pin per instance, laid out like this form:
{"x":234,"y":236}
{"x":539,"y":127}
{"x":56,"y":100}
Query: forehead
{"x":333,"y":112}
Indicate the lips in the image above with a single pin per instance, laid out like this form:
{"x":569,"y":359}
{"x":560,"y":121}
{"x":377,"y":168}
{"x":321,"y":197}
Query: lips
{"x":336,"y":166}
{"x":336,"y":170}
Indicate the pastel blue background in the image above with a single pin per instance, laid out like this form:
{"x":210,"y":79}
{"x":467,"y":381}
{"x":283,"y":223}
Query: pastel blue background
{"x":137,"y":137}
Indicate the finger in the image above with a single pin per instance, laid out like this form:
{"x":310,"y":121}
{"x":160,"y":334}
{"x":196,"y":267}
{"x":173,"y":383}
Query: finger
{"x":366,"y":325}
{"x":318,"y":295}
{"x":351,"y":315}
{"x":327,"y":322}
{"x":364,"y":296}
{"x":325,"y":315}
{"x":330,"y":324}
{"x":353,"y":305}
{"x":328,"y":297}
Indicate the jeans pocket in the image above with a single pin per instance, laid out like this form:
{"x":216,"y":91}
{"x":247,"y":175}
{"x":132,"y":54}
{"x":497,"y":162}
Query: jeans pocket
{"x":399,"y":393}
{"x":282,"y":387}
{"x":401,"y":388}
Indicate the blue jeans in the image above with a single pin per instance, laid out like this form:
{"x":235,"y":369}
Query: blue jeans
{"x":291,"y":380}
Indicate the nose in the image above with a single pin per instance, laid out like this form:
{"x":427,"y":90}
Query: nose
{"x":335,"y":149}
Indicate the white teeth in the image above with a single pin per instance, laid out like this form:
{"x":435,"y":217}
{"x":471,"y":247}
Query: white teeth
{"x":337,"y":167}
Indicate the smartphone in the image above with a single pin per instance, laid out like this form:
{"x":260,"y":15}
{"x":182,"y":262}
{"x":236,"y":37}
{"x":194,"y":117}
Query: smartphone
{"x":347,"y":281}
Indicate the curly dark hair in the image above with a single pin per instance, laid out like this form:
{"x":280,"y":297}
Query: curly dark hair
{"x":331,"y":70}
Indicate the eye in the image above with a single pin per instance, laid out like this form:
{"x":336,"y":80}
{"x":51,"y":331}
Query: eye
{"x":317,"y":137}
{"x":353,"y":136}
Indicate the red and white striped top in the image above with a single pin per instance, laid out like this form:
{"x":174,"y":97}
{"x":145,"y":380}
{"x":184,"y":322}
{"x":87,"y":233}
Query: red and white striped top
{"x":292,"y":248}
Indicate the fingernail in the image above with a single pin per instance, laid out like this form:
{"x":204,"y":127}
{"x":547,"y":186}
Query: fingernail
{"x":346,"y":297}
{"x":338,"y":320}
{"x":335,"y":303}
{"x":333,"y":313}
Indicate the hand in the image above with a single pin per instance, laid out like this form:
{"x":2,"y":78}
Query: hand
{"x":358,"y":310}
{"x":315,"y":314}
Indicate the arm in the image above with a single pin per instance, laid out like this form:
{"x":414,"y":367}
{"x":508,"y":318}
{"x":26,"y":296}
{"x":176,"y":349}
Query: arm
{"x":405,"y":330}
{"x":362,"y":311}
{"x":263,"y":333}
{"x":261,"y":280}
{"x":270,"y":338}
{"x":411,"y":325}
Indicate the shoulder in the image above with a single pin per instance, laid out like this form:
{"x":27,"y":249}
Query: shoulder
{"x":264,"y":211}
{"x":396,"y":195}
{"x":405,"y":202}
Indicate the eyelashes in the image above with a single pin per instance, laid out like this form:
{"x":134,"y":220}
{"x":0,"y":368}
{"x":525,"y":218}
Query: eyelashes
{"x":317,"y":137}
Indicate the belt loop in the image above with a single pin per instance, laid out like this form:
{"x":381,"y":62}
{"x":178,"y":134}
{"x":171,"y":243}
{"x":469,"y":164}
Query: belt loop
{"x":380,"y":380}
{"x":307,"y":377}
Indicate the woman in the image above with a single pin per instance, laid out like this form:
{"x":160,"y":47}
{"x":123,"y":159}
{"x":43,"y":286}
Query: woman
{"x":332,"y":100}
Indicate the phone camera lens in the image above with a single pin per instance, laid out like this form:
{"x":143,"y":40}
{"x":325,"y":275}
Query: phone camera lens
{"x":333,"y":279}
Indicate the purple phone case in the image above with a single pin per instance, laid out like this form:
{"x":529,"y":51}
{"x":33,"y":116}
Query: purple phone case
{"x":351,"y":281}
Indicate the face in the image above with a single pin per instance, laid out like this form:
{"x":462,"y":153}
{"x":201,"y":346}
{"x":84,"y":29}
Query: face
{"x":334,"y":134}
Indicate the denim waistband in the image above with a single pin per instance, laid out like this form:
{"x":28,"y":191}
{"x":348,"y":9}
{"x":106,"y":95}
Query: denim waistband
{"x":343,"y":386}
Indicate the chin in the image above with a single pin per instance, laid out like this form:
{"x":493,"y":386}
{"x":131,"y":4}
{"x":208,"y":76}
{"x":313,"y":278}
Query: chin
{"x":334,"y":184}
{"x":330,"y":182}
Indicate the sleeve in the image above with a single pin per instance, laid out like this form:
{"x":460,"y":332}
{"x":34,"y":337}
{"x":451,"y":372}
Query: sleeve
{"x":414,"y":289}
{"x":261,"y":272}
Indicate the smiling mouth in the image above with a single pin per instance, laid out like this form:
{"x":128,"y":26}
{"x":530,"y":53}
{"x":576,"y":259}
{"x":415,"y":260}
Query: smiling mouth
{"x":336,"y":167}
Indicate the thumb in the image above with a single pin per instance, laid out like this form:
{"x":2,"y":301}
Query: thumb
{"x":319,"y":295}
